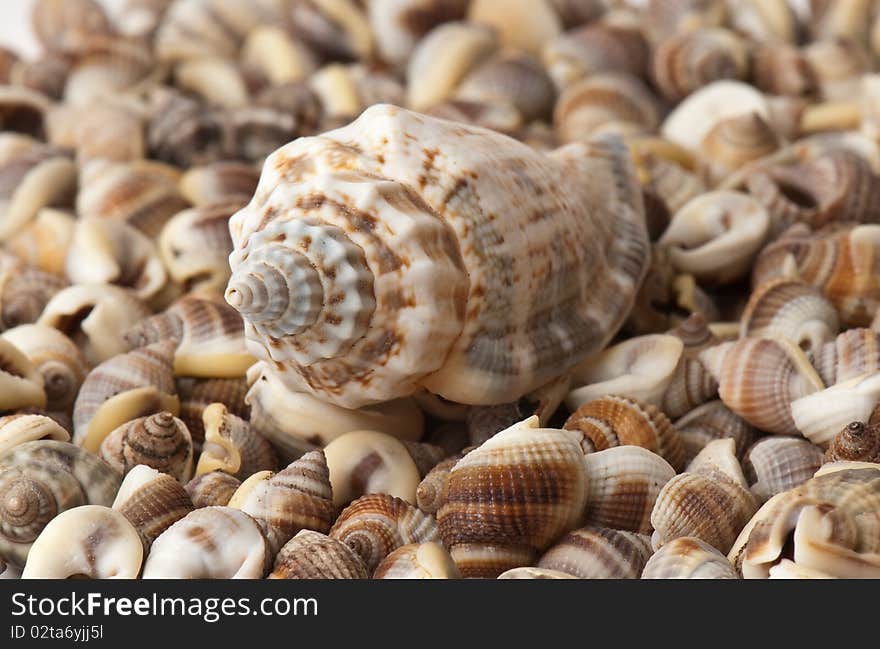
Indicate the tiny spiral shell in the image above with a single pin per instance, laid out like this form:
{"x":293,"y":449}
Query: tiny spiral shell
{"x":213,"y":488}
{"x":688,"y":557}
{"x":430,"y":490}
{"x":776,"y":464}
{"x":123,"y":388}
{"x":594,"y":552}
{"x":59,"y":361}
{"x":615,"y":421}
{"x":428,"y":560}
{"x":40,"y":479}
{"x":312,"y":555}
{"x":685,"y":62}
{"x":209,"y":543}
{"x":233,"y":445}
{"x":692,"y":384}
{"x":160,"y":441}
{"x":790,"y":309}
{"x":486,"y":520}
{"x":856,"y":442}
{"x":151,"y":501}
{"x":297,"y":497}
{"x":376,"y":524}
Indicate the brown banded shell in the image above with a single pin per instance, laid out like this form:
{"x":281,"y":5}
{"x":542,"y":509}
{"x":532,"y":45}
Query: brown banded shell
{"x":617,"y":421}
{"x":142,"y":193}
{"x":624,"y":483}
{"x":110,"y":251}
{"x":430,"y":490}
{"x":515,"y":78}
{"x":376,"y":524}
{"x":782,"y":69}
{"x":776,"y":464}
{"x":605,"y":103}
{"x":368,"y":462}
{"x":233,"y":445}
{"x":709,"y":501}
{"x":21,"y":384}
{"x":40,"y":479}
{"x":671,"y":182}
{"x":197,"y":394}
{"x":212,"y":488}
{"x":594,"y":552}
{"x":312,"y":555}
{"x":428,"y":560}
{"x":65,"y":26}
{"x":209,"y":336}
{"x":209,"y":543}
{"x":666,"y":17}
{"x":836,"y":187}
{"x":99,"y":543}
{"x":24,"y":293}
{"x":111,"y":131}
{"x":227,"y":182}
{"x":735,"y":142}
{"x":852,"y":353}
{"x":497,"y":116}
{"x":716,"y":235}
{"x":688,"y":557}
{"x":398,"y":25}
{"x":758,"y":379}
{"x":692,"y":384}
{"x":790,"y":309}
{"x":595,"y":49}
{"x":336,"y":30}
{"x":110,"y":65}
{"x":94,"y":316}
{"x":829,"y":525}
{"x":59,"y":361}
{"x":182,"y":132}
{"x":151,"y":501}
{"x":45,"y":74}
{"x":486,"y":520}
{"x":20,"y":428}
{"x":688,"y":61}
{"x":121,"y":389}
{"x":297,"y":497}
{"x":160,"y":441}
{"x":42,"y":244}
{"x":842,"y":262}
{"x":838,"y":65}
{"x":856,"y":442}
{"x":711,"y":421}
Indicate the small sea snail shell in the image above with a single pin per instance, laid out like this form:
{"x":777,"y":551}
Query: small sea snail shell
{"x":197,"y":394}
{"x":297,"y":497}
{"x":213,"y":488}
{"x":486,"y":520}
{"x":233,"y":445}
{"x":594,"y":552}
{"x":225,"y":182}
{"x":18,"y":429}
{"x":428,"y":560}
{"x":617,"y":421}
{"x":624,"y":483}
{"x":151,"y":501}
{"x":21,"y":384}
{"x":38,"y":480}
{"x":790,"y":309}
{"x":95,"y":317}
{"x":293,"y":421}
{"x":209,"y":336}
{"x":716,"y":235}
{"x":640,"y":368}
{"x":123,"y":388}
{"x":776,"y":464}
{"x":398,"y":25}
{"x":852,"y":353}
{"x":529,"y":572}
{"x":160,"y":441}
{"x":819,"y":416}
{"x":376,"y":524}
{"x":65,"y":27}
{"x":692,"y":384}
{"x":99,"y":543}
{"x":59,"y":361}
{"x":855,"y":442}
{"x":209,"y":543}
{"x":366,"y":462}
{"x":710,"y":421}
{"x":430,"y":490}
{"x":688,"y":557}
{"x":312,"y":555}
{"x":24,"y":292}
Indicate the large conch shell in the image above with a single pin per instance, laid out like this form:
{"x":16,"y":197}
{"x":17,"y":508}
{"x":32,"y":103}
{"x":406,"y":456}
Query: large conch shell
{"x":403,"y":251}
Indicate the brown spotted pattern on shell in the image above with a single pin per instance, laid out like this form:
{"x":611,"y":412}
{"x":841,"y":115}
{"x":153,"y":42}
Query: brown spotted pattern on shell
{"x":460,"y":363}
{"x":614,"y":421}
{"x":312,"y":555}
{"x":598,"y":553}
{"x":376,"y":524}
{"x":485,"y":518}
{"x":857,"y":442}
{"x":160,"y":441}
{"x":776,"y":464}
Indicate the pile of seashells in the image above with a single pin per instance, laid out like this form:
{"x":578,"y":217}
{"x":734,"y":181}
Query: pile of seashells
{"x":563,"y":289}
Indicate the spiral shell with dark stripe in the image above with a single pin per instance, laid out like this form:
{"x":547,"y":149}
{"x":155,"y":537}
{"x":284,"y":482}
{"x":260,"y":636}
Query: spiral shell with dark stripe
{"x":159,"y":441}
{"x":151,"y":501}
{"x":598,"y":553}
{"x":312,"y":555}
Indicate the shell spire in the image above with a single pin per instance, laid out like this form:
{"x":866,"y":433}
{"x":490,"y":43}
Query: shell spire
{"x":405,"y":251}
